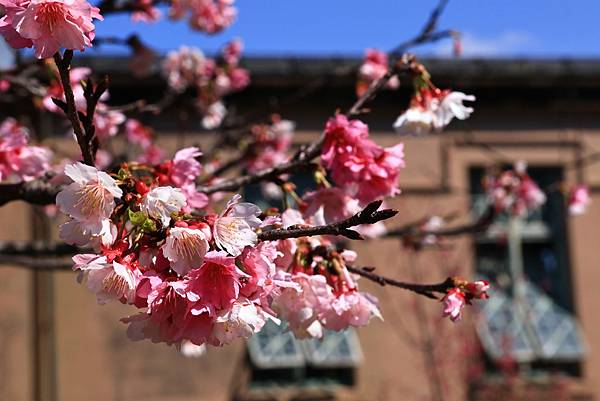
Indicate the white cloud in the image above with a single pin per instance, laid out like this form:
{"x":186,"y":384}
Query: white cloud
{"x":508,"y":43}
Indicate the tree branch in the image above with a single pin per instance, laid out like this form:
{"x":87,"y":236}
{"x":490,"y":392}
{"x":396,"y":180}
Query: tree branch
{"x":83,"y":139}
{"x":428,"y":290}
{"x":36,"y":192}
{"x":369,"y":215}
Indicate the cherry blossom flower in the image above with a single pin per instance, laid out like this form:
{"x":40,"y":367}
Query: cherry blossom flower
{"x":241,"y":321}
{"x":107,"y":121}
{"x":145,"y":11}
{"x":48,"y":25}
{"x":478,"y":289}
{"x":454,"y":302}
{"x":91,"y":195}
{"x":191,"y":350}
{"x":301,"y":309}
{"x":137,"y":133}
{"x":161,"y":202}
{"x":186,"y":168}
{"x":415,"y":121}
{"x":579,"y":200}
{"x":185,"y":248}
{"x":152,"y":154}
{"x":350,"y":309}
{"x":19,"y":161}
{"x":235,"y":227}
{"x":214,"y":114}
{"x":216,"y":284}
{"x":210,"y":16}
{"x":368,"y":171}
{"x":433,"y":109}
{"x":374,"y":67}
{"x":107,"y":280}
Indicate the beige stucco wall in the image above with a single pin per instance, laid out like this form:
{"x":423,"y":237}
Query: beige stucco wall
{"x":95,"y":361}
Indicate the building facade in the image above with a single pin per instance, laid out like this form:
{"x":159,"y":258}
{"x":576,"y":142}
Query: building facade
{"x":60,"y":345}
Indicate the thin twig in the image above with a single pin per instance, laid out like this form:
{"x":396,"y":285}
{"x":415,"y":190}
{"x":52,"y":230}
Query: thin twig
{"x":64,"y":65}
{"x":428,"y":290}
{"x":369,"y":215}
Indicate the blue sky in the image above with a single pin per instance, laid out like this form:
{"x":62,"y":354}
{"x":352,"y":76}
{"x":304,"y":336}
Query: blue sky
{"x":491,"y":28}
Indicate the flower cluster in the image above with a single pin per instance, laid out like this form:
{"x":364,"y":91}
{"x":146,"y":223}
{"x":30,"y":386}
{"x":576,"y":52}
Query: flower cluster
{"x":210,"y":16}
{"x":189,"y":68}
{"x":142,"y":136}
{"x":197,"y":275}
{"x":463,"y":294}
{"x":579,"y":199}
{"x":48,"y":25}
{"x":432,"y":109}
{"x":366,"y":170}
{"x":270,"y":144}
{"x":374,"y":67}
{"x":513,"y":191}
{"x":20,"y":161}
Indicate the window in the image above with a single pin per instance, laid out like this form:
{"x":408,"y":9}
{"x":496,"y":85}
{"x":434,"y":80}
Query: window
{"x":530,"y":315}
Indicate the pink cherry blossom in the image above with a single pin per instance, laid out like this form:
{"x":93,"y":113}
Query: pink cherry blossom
{"x":107,"y":121}
{"x":137,"y":133}
{"x":216,"y":284}
{"x":350,"y":309}
{"x":210,"y":16}
{"x":185,"y":248}
{"x":186,"y":168}
{"x":374,"y":67}
{"x":301,"y":309}
{"x":478,"y":289}
{"x":152,"y":154}
{"x":368,"y":171}
{"x":333,"y":203}
{"x":454,"y":302}
{"x":168,"y":317}
{"x":48,"y":25}
{"x":145,"y":11}
{"x":579,"y":200}
{"x":235,"y":227}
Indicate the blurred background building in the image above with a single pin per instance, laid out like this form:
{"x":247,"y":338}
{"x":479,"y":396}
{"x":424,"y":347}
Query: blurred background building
{"x":58,"y":344}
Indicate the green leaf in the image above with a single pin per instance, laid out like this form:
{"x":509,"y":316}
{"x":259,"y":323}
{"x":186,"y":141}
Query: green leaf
{"x":137,"y":218}
{"x":149,"y":226}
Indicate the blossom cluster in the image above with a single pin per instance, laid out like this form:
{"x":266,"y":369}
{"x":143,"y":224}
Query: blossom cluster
{"x":20,"y":161}
{"x":513,"y":191}
{"x":579,"y":200}
{"x":197,"y":275}
{"x":212,"y":79}
{"x":48,"y":25}
{"x":463,"y":294}
{"x":373,"y":68}
{"x":431,"y":109}
{"x":209,"y":16}
{"x":366,"y":170}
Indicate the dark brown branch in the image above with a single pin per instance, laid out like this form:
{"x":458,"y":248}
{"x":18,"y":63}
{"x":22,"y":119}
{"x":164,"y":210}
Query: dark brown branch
{"x":85,"y":143}
{"x":428,"y":290}
{"x":36,"y":192}
{"x":369,"y":215}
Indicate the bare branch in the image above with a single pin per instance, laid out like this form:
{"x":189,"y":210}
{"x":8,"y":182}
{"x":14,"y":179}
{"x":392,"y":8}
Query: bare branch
{"x":36,"y":192}
{"x":83,"y":138}
{"x":369,"y":215}
{"x":428,"y":290}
